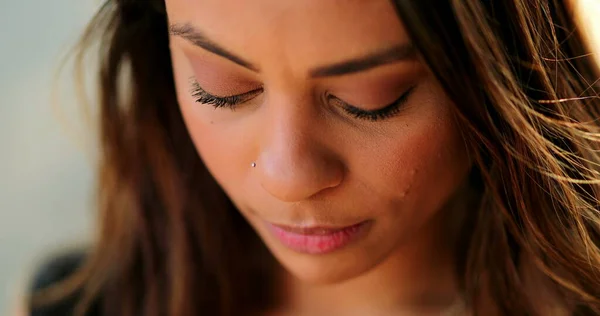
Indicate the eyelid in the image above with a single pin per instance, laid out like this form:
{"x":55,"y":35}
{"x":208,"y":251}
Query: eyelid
{"x":231,"y":102}
{"x":196,"y":85}
{"x":220,"y":101}
{"x":377,"y":114}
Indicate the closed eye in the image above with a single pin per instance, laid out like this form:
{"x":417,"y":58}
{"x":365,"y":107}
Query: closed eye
{"x":204,"y":97}
{"x":374,"y":115}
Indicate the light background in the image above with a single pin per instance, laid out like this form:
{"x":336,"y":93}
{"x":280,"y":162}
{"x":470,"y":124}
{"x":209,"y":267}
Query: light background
{"x":46,"y":177}
{"x":46,"y":171}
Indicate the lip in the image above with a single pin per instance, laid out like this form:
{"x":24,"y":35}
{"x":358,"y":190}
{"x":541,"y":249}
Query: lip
{"x":317,"y":239}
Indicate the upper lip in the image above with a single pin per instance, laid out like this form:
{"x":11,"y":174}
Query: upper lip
{"x":314,"y":229}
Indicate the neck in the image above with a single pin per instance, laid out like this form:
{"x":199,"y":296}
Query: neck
{"x":418,"y":278}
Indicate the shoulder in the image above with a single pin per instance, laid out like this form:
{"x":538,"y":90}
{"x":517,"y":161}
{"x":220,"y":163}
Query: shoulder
{"x":52,"y":271}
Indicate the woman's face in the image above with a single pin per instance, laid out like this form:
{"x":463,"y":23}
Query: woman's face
{"x":320,"y":122}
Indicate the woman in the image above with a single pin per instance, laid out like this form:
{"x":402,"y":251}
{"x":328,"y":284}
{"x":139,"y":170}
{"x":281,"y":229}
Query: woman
{"x":342,"y":158}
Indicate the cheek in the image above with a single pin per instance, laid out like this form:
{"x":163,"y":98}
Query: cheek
{"x":420,"y":166}
{"x":435,"y":161}
{"x":224,"y":146}
{"x":224,"y":151}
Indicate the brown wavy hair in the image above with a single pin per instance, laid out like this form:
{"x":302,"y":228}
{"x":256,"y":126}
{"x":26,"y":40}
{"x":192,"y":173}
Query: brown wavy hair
{"x":524,"y":83}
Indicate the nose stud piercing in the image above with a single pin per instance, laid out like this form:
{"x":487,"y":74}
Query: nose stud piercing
{"x":253,"y":164}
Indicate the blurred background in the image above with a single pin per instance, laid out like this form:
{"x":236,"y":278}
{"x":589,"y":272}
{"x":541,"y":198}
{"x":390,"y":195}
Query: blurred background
{"x":46,"y":149}
{"x":46,"y":171}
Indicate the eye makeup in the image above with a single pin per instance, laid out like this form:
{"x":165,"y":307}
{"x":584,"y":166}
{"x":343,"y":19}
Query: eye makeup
{"x":232,"y":101}
{"x":382,"y":113}
{"x":202,"y":96}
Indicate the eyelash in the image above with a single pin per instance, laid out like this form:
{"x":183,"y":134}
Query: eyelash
{"x":231,"y":102}
{"x":379,"y":114}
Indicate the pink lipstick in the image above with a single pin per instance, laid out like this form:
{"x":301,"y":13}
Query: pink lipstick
{"x":317,"y":239}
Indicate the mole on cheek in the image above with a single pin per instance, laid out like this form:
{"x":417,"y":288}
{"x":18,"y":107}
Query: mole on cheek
{"x":409,"y":183}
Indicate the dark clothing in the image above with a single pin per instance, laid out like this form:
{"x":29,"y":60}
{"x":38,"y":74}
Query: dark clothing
{"x":51,"y":272}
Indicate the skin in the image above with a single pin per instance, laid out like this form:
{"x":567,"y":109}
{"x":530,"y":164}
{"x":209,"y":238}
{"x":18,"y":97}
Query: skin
{"x":318,"y":165}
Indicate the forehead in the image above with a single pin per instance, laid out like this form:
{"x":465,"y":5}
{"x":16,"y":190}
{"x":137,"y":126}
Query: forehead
{"x":298,"y":31}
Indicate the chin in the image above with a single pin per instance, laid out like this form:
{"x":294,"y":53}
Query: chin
{"x":336,"y":268}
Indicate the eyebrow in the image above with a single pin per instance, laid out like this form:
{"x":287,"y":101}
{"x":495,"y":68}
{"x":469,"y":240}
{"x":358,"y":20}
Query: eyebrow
{"x":390,"y":55}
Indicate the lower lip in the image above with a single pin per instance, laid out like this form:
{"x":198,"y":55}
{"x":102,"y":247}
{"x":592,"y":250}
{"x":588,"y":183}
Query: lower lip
{"x":321,"y":243}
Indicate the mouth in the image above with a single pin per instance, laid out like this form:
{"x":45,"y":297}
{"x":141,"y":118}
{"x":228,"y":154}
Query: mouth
{"x":318,"y":239}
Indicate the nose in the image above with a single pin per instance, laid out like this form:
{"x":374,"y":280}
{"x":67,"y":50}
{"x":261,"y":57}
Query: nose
{"x":295,"y":162}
